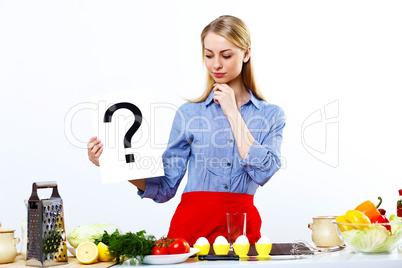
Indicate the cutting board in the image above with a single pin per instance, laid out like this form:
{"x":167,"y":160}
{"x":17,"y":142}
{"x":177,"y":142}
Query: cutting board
{"x":72,"y":262}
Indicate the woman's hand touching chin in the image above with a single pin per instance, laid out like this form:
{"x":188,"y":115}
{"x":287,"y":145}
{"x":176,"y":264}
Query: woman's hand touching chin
{"x":225,"y":97}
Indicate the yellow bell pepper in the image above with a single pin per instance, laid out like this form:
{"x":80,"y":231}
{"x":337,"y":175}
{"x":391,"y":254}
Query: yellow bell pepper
{"x":342,"y":219}
{"x":356,"y":216}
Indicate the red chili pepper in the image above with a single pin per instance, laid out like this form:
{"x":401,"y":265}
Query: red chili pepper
{"x":381,"y":219}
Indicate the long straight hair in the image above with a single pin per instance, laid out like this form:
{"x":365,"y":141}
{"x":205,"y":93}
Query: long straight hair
{"x":236,"y":31}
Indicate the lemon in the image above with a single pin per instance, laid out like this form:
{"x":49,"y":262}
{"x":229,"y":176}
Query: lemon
{"x":87,"y":252}
{"x":61,"y":254}
{"x":104,"y":254}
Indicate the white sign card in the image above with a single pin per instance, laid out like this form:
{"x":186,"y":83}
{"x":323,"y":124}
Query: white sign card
{"x":131,"y":134}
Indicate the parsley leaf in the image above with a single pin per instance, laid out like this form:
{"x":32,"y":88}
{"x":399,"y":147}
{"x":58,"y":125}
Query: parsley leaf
{"x":129,"y":245}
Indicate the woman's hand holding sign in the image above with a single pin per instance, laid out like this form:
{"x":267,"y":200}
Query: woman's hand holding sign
{"x":95,"y":149}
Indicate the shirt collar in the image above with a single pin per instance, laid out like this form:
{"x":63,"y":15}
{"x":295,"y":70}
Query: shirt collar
{"x":253,"y":99}
{"x":210,"y":98}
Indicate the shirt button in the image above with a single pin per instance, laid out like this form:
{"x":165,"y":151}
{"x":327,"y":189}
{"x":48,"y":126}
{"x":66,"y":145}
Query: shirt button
{"x":228,"y":164}
{"x":226,"y":187}
{"x":230,"y":140}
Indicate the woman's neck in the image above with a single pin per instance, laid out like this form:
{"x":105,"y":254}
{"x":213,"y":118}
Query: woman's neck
{"x":240,"y":91}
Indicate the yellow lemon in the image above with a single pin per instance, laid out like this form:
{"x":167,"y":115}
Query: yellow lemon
{"x":104,"y":254}
{"x":87,"y":252}
{"x":61,"y":254}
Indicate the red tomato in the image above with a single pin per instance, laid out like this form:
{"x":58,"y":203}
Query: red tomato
{"x":159,"y":250}
{"x":164,"y":241}
{"x":179,"y":246}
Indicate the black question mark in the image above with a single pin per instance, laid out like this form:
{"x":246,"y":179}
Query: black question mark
{"x":136,"y":125}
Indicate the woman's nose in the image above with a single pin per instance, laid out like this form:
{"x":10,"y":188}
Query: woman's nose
{"x":217,"y":64}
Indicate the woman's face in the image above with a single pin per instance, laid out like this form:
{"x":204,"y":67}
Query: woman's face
{"x":223,"y":59}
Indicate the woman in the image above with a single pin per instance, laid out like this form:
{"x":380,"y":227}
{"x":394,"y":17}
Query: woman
{"x":230,"y":138}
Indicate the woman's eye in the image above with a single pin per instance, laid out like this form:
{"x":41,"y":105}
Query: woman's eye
{"x":208,"y":56}
{"x":227,"y":57}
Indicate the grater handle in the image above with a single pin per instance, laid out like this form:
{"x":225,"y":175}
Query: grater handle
{"x":46,"y":184}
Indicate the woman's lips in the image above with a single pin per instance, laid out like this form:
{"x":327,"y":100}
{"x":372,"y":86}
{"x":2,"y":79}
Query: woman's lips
{"x":218,"y":75}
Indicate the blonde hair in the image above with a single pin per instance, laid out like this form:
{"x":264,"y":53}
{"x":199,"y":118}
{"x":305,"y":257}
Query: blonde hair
{"x":236,"y":31}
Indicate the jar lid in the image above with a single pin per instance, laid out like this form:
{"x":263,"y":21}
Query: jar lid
{"x":400,"y":192}
{"x":4,"y":230}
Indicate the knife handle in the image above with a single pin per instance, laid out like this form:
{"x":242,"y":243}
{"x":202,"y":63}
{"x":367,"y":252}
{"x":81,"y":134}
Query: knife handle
{"x":218,"y":257}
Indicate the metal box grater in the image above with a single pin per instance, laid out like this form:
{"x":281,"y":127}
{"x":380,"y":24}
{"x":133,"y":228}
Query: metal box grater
{"x":46,"y":244}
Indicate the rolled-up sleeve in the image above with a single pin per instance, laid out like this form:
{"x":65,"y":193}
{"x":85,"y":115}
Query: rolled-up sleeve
{"x":263,"y":158}
{"x":175,"y":159}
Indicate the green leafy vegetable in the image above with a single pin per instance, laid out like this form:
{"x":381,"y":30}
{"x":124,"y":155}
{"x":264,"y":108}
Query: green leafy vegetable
{"x":88,"y":233}
{"x":395,"y":227}
{"x":105,"y":238}
{"x":129,"y":245}
{"x":370,"y":239}
{"x":375,"y":238}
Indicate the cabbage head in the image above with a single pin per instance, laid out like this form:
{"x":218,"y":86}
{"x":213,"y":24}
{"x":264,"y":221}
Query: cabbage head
{"x":371,"y":239}
{"x":395,"y":227}
{"x":89,"y":232}
{"x":375,"y":238}
{"x":396,"y":235}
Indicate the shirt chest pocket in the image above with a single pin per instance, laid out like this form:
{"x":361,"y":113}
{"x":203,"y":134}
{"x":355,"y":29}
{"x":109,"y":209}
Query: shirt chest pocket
{"x":218,"y":156}
{"x":213,"y":144}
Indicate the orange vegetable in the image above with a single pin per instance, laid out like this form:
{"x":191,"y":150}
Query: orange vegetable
{"x":368,"y":208}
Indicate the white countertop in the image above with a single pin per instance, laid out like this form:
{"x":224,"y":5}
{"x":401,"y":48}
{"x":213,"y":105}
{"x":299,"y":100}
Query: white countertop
{"x":344,"y":258}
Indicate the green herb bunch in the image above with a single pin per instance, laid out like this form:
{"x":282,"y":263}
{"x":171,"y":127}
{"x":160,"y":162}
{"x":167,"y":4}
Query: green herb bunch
{"x":129,"y":245}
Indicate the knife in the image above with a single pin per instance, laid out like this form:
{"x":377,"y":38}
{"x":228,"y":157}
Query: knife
{"x":218,"y":257}
{"x":244,"y":258}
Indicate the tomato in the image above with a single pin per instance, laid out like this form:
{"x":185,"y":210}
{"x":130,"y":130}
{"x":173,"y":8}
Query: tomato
{"x":178,"y":246}
{"x":163,"y":241}
{"x":159,"y":250}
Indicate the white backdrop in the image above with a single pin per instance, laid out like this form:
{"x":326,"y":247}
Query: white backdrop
{"x":333,"y":66}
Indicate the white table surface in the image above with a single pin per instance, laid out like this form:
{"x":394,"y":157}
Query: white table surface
{"x":344,"y":259}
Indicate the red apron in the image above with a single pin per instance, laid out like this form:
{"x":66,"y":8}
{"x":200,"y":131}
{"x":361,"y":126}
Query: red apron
{"x":203,"y":214}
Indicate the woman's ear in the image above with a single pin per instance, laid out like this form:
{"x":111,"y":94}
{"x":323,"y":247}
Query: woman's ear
{"x":247,"y":55}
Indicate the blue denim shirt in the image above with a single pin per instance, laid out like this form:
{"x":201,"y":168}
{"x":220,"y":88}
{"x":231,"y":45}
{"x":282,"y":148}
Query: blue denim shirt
{"x":202,"y":137}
